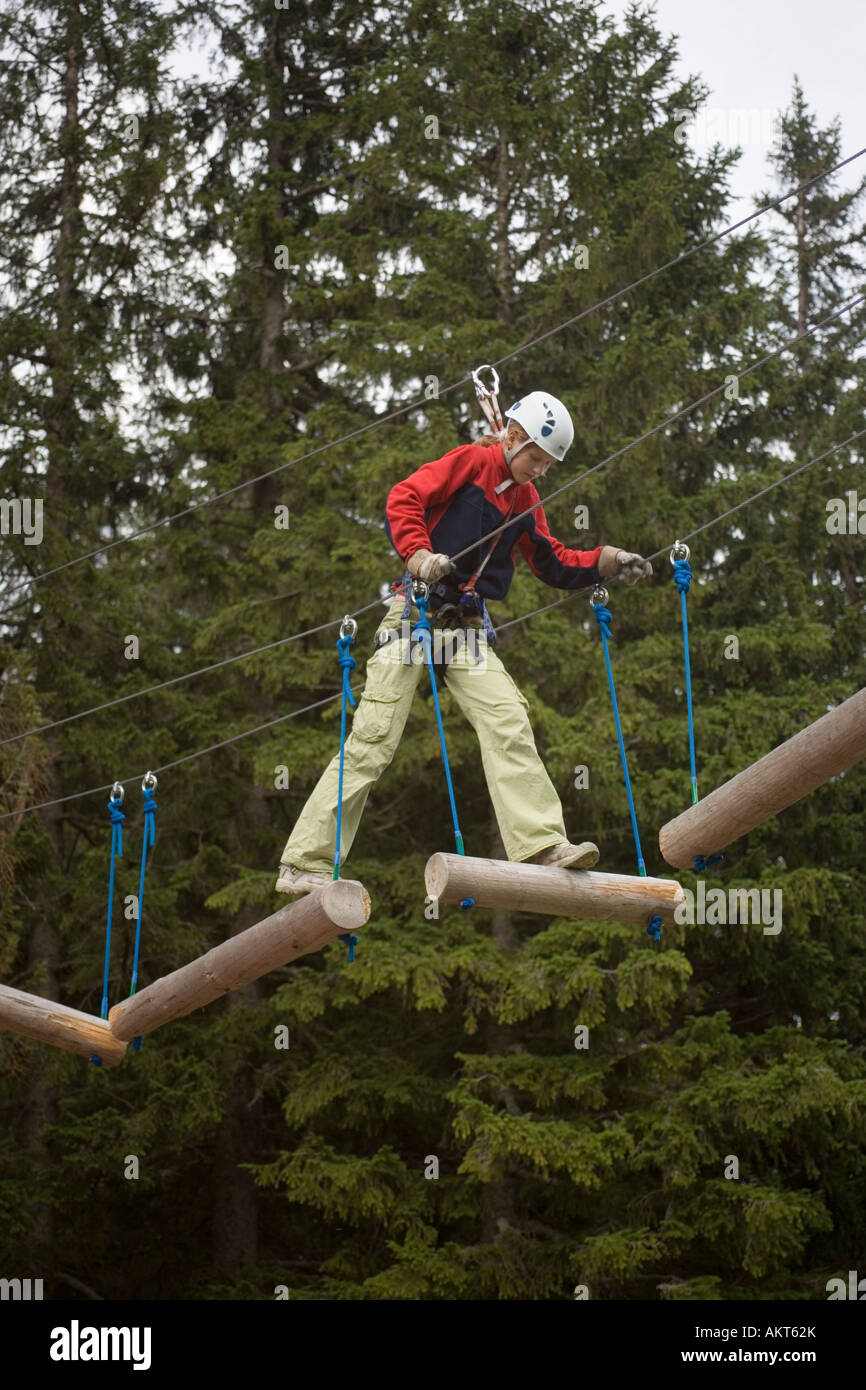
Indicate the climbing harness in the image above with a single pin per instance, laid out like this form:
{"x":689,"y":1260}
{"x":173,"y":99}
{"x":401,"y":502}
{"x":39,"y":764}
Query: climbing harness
{"x":450,"y":609}
{"x":604,"y":617}
{"x":347,"y":663}
{"x":420,"y":595}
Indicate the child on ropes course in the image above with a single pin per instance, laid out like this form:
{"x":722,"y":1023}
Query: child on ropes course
{"x":440,"y":509}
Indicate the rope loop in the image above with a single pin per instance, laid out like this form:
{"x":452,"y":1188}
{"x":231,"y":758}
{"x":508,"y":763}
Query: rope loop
{"x":683,"y":579}
{"x":420,"y":595}
{"x":605,"y":619}
{"x":347,"y":663}
{"x":117,"y":818}
{"x":148,"y":839}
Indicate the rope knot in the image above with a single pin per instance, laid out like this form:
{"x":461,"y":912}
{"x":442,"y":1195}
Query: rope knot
{"x":655,"y":927}
{"x":150,"y":805}
{"x":682,"y":575}
{"x":701,"y":863}
{"x":604,"y":617}
{"x":347,"y":665}
{"x":117,"y":819}
{"x":351,"y":941}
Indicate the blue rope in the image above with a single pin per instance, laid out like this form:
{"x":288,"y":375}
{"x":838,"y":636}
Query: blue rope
{"x":604,"y":618}
{"x":701,"y":863}
{"x":148,"y":839}
{"x":117,"y":819}
{"x":347,"y":665}
{"x":683,"y":579}
{"x":422,"y":627}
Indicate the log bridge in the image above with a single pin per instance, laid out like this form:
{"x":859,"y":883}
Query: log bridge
{"x":832,"y":744}
{"x":295,"y":930}
{"x":587,"y":893}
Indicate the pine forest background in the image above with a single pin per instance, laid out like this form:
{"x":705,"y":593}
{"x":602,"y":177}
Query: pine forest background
{"x":158,"y":347}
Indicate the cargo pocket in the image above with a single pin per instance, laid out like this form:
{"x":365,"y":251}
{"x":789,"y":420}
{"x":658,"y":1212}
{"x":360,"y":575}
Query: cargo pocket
{"x":374,"y":718}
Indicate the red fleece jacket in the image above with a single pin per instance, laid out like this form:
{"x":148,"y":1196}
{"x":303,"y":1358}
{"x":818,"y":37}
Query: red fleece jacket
{"x":450,"y":503}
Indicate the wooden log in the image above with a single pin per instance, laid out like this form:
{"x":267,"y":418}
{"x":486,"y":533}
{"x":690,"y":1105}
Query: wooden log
{"x":501,"y":883}
{"x":300,"y":927}
{"x":50,"y":1022}
{"x":792,"y":770}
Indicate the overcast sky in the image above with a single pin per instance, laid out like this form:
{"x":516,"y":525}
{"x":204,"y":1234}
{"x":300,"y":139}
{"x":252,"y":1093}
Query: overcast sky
{"x":747,"y":52}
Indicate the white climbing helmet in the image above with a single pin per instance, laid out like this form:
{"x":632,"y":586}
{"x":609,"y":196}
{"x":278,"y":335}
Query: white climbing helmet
{"x":546,"y":421}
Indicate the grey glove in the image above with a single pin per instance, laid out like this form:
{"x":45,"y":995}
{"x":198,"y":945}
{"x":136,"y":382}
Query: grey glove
{"x":424,"y":565}
{"x":631,"y":568}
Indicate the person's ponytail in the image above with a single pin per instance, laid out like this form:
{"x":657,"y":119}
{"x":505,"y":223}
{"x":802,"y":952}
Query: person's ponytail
{"x":487,"y":439}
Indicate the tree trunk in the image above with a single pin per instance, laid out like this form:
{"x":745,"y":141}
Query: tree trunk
{"x":61,"y":427}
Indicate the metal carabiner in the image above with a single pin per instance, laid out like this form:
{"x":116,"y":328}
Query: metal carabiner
{"x":420,"y":590}
{"x":148,"y":781}
{"x":680,"y":552}
{"x":487,"y":396}
{"x":348,"y":627}
{"x":480,"y":388}
{"x":117,"y":793}
{"x":599,"y":595}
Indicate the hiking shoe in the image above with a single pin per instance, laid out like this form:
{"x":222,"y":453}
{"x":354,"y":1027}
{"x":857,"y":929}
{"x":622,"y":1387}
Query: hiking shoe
{"x":568,"y":856}
{"x":294,"y":881}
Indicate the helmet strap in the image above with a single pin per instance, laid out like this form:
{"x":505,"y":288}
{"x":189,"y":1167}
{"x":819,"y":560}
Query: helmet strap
{"x":512,"y":453}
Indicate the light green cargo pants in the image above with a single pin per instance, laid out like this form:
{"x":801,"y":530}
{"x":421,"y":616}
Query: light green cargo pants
{"x":527,"y":807}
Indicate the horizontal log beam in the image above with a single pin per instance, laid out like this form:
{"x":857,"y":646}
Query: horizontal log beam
{"x":301,"y":927}
{"x":833,"y":743}
{"x":50,"y":1022}
{"x":503,"y":884}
